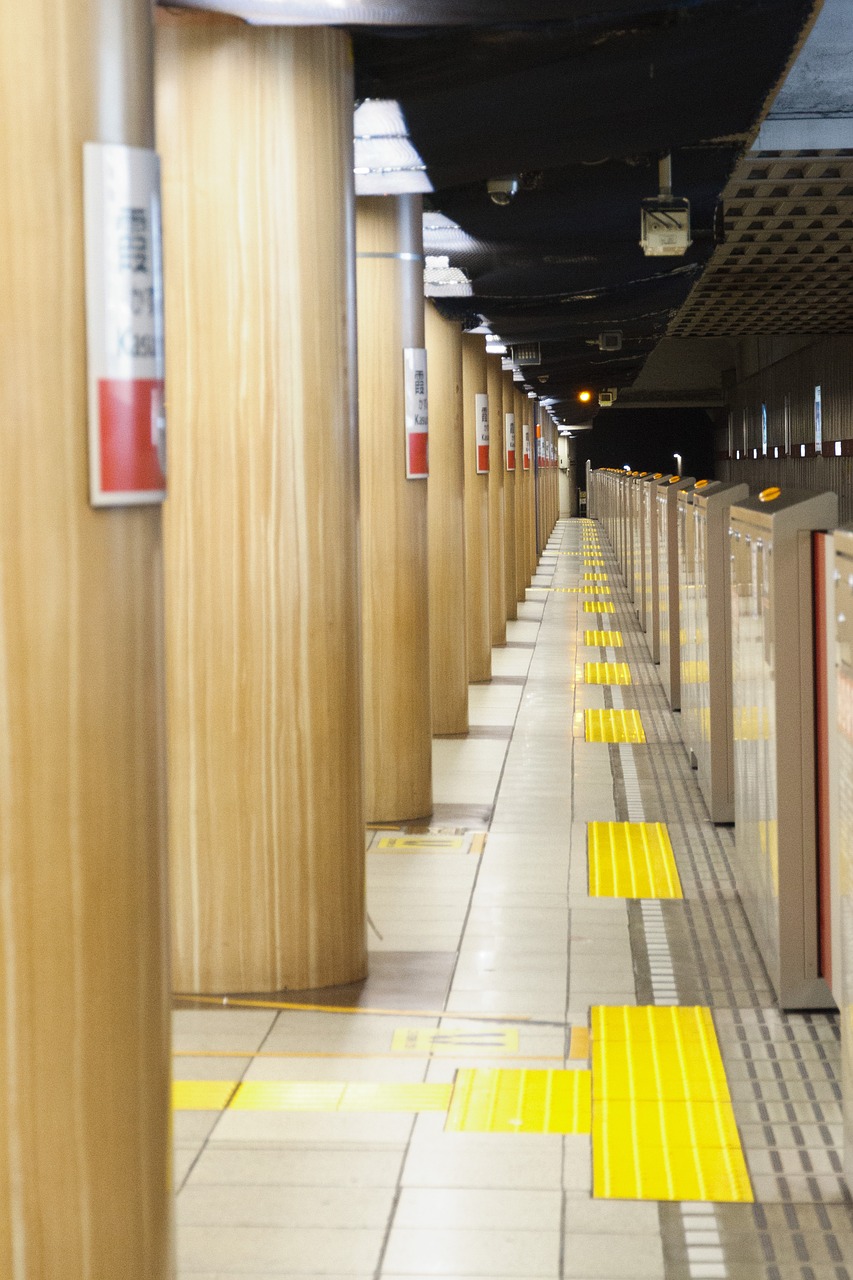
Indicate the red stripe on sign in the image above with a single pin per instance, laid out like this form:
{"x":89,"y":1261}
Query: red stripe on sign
{"x":482,"y":458}
{"x":418,"y":455}
{"x":527,"y":462}
{"x":510,"y":459}
{"x":129,"y":461}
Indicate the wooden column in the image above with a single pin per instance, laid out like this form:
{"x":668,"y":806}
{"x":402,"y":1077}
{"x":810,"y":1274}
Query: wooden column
{"x":511,"y":458}
{"x":266,"y":822}
{"x":395,"y":577}
{"x":497,"y":472}
{"x":522,"y":477}
{"x":532,"y":550}
{"x":448,"y":647}
{"x":476,"y":515}
{"x":85,"y":1151}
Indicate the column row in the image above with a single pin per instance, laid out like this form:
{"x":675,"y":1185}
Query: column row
{"x":311,"y":605}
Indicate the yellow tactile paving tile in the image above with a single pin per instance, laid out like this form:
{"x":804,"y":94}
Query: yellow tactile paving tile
{"x":496,"y":1101}
{"x":631,"y":860}
{"x":663,"y":1124}
{"x":668,"y":1122}
{"x":289,"y":1095}
{"x":307,"y":1095}
{"x":593,"y":564}
{"x":201,"y":1095}
{"x":607,"y":725}
{"x":715,"y":1174}
{"x":591,"y":590}
{"x":595,"y":577}
{"x":595,"y":606}
{"x":603,"y":639}
{"x":607,"y":673}
{"x":644,"y":1071}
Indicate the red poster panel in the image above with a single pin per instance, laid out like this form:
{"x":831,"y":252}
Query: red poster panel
{"x":124,"y":326}
{"x":509,"y":441}
{"x":481,"y":409}
{"x":417,"y":413}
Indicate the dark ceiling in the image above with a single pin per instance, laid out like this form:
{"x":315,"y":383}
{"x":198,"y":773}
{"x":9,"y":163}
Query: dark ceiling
{"x":582,"y":105}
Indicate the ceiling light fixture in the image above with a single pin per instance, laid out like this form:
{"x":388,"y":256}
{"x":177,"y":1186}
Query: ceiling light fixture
{"x":386,"y":162}
{"x":443,"y":281}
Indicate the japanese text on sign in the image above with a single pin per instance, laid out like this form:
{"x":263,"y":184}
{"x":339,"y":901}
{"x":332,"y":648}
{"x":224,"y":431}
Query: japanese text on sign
{"x":481,"y":409}
{"x":417,"y":413}
{"x":509,"y":441}
{"x":124,"y":325}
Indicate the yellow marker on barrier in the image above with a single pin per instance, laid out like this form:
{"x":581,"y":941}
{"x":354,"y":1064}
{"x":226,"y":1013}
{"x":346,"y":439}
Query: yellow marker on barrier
{"x":603,"y":639}
{"x":607,"y":673}
{"x":631,"y":860}
{"x":496,"y":1101}
{"x":663,"y":1123}
{"x":608,"y":725}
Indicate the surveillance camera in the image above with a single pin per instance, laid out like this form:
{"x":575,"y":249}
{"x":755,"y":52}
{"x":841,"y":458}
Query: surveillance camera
{"x":502,"y":190}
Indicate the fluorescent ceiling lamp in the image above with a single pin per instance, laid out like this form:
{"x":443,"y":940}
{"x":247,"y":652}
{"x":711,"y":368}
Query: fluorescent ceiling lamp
{"x":443,"y":235}
{"x":386,"y":13}
{"x":386,"y":163}
{"x":443,"y":281}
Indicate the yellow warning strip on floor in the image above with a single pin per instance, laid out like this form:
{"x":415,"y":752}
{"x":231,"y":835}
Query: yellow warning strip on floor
{"x":607,"y":725}
{"x":592,"y":564}
{"x":663,"y":1124}
{"x":591,"y":590}
{"x":603,"y":639}
{"x":308,"y":1095}
{"x":202,"y":1095}
{"x":356,"y":1011}
{"x":631,"y":860}
{"x":607,"y":673}
{"x":496,"y":1101}
{"x":595,"y":606}
{"x":595,"y":577}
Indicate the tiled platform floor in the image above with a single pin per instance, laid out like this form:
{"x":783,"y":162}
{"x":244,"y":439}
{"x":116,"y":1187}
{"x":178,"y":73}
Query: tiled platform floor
{"x":491,"y":955}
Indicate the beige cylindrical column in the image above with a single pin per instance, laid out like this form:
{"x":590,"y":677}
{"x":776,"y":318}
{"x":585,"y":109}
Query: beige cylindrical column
{"x":397,"y":697}
{"x":448,"y":646}
{"x":522,"y":479}
{"x":85,"y":1151}
{"x":541,"y":487}
{"x":497,"y":472}
{"x":531,"y":547}
{"x":510,"y":464}
{"x":474,"y":393}
{"x":265,"y":766}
